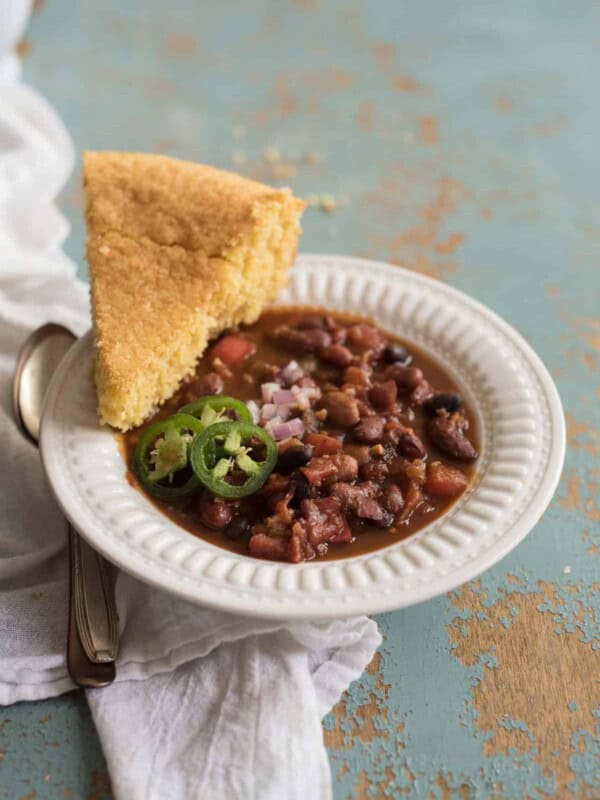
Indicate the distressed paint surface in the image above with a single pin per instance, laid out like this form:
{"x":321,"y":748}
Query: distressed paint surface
{"x":459,"y":139}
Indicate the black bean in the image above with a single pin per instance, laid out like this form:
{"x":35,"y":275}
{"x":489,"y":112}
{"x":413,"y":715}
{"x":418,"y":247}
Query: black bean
{"x":301,"y":488}
{"x":447,"y":402}
{"x":294,"y":457}
{"x":397,"y":354}
{"x":237,"y":528}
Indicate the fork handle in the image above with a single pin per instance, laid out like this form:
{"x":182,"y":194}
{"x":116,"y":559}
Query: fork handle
{"x":92,"y":615}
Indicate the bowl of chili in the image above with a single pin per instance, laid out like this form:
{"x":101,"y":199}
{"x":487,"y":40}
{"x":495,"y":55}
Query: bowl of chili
{"x":475,"y":401}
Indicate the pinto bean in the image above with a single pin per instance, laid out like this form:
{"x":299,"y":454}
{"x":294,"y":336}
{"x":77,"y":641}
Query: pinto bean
{"x":342,"y":410}
{"x":410,"y":445}
{"x":392,"y":499}
{"x":369,"y":430}
{"x":302,"y":341}
{"x":447,"y":431}
{"x":383,"y":395}
{"x":406,"y":378}
{"x":365,"y":337}
{"x":357,"y":375}
{"x":337,"y":354}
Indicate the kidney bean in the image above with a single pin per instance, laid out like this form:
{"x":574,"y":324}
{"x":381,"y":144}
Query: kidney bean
{"x":337,"y":354}
{"x":397,"y":354}
{"x":302,"y":341}
{"x":392,"y":499}
{"x":293,"y":457}
{"x":447,"y":431}
{"x":342,"y":411}
{"x":383,"y":395}
{"x":444,"y":402}
{"x":410,"y":445}
{"x":445,"y":480}
{"x":407,"y":378}
{"x":369,"y":430}
{"x":215,"y":513}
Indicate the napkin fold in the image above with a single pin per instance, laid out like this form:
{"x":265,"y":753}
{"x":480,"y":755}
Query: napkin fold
{"x":206,"y":704}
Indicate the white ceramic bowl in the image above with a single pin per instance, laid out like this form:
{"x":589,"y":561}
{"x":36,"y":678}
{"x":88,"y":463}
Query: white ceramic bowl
{"x":522,"y":449}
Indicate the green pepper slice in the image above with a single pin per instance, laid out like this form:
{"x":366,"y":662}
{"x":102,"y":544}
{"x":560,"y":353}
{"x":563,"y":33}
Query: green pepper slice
{"x":212,"y":409}
{"x":162,"y":451}
{"x":223,"y":447}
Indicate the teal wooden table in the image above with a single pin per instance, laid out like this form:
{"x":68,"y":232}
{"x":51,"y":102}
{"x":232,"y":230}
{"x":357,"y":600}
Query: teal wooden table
{"x":459,"y":139}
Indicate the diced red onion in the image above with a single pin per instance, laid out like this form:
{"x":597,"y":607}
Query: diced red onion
{"x":285,"y":430}
{"x":291,"y":373}
{"x":284,"y":396}
{"x":283,"y":412}
{"x":268,"y":411}
{"x":254,"y":410}
{"x":268,"y":390}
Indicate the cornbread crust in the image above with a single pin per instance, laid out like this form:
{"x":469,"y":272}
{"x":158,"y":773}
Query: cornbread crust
{"x":178,"y":252}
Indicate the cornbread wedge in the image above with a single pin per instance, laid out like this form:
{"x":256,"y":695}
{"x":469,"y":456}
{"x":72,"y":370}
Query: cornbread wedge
{"x":177,"y":252}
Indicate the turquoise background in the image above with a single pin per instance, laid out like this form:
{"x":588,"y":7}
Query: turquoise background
{"x":460,"y":139}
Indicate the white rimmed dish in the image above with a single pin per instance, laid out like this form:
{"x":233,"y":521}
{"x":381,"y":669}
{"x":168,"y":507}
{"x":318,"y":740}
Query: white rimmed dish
{"x":522,"y":436}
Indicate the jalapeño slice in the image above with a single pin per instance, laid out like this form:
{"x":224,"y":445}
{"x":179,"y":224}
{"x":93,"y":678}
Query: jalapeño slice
{"x":226,"y":450}
{"x":162,"y":452}
{"x":213,"y":408}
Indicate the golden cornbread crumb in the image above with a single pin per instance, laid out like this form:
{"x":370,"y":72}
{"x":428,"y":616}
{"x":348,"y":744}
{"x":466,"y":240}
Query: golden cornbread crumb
{"x":178,"y":252}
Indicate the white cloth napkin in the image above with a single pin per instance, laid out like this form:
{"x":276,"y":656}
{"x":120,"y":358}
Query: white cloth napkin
{"x":206,"y":704}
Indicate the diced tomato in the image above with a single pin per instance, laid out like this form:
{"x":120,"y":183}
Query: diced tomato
{"x":323,"y":445}
{"x":233,"y":349}
{"x":263,"y":546}
{"x":444,"y":480}
{"x":319,"y":469}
